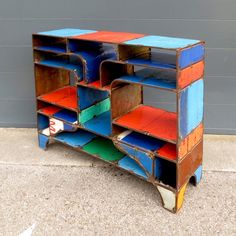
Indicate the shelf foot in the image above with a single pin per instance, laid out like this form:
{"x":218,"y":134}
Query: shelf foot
{"x":43,"y":141}
{"x":172,"y":201}
{"x":197,"y":176}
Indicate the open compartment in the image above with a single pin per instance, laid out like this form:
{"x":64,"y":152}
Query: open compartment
{"x":49,"y":44}
{"x":117,"y":70}
{"x":43,"y":124}
{"x":56,"y":87}
{"x":129,"y":112}
{"x":165,"y":172}
{"x":67,"y":62}
{"x":103,"y":148}
{"x":91,"y":54}
{"x":60,"y":113}
{"x":94,"y":114}
{"x":76,"y":139}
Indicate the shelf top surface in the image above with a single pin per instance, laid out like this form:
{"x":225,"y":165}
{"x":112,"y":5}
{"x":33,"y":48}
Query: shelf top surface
{"x":136,"y":39}
{"x":67,"y":32}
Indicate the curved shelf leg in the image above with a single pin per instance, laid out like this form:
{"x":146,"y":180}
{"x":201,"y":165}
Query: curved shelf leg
{"x":172,"y":201}
{"x":43,"y":141}
{"x":197,"y":176}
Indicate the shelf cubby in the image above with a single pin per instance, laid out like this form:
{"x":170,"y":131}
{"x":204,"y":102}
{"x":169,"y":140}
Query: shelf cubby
{"x":91,"y":95}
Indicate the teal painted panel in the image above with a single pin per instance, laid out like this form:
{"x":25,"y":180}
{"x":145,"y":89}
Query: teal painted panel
{"x":67,"y":32}
{"x":162,"y":42}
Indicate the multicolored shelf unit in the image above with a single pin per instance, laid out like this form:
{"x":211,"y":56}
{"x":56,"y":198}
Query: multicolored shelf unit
{"x":89,"y":88}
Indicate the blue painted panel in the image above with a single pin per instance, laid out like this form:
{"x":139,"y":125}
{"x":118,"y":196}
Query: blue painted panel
{"x":152,"y":63}
{"x":129,"y":164}
{"x":66,"y":115}
{"x":67,"y":32}
{"x":64,"y":65}
{"x":198,"y":174}
{"x":191,"y":55}
{"x":144,"y":159}
{"x":88,"y":96}
{"x":43,"y":122}
{"x":76,"y":139}
{"x":100,"y":124}
{"x":191,"y":107}
{"x":132,"y":78}
{"x":162,"y":42}
{"x":93,"y":61}
{"x":68,"y":127}
{"x":43,"y":141}
{"x":52,"y":48}
{"x":143,"y":141}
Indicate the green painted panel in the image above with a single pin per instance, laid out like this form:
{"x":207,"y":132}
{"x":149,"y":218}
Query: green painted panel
{"x":95,"y":110}
{"x":104,"y":148}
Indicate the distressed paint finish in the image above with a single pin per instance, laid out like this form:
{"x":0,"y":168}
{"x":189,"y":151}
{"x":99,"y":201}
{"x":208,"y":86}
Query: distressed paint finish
{"x":162,"y":42}
{"x":191,"y":55}
{"x":198,"y":175}
{"x":67,"y":32}
{"x":95,"y":110}
{"x":191,"y":107}
{"x":43,"y":141}
{"x":168,"y":198}
{"x":89,"y":97}
{"x":131,"y":165}
{"x":180,"y":197}
{"x":89,"y":88}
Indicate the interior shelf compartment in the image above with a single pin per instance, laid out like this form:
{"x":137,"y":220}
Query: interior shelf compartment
{"x":43,"y":124}
{"x":58,"y":113}
{"x":152,"y":121}
{"x":65,"y":97}
{"x":92,"y":54}
{"x":165,"y":172}
{"x":100,"y":124}
{"x":104,"y":149}
{"x":75,"y":139}
{"x":143,"y":142}
{"x":51,"y":44}
{"x":68,"y":62}
{"x":131,"y":165}
{"x":148,"y":56}
{"x":116,"y":70}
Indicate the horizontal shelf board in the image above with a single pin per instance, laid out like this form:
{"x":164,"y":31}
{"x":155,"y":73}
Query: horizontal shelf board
{"x":109,"y":37}
{"x":63,"y":65}
{"x":51,"y":49}
{"x":150,"y":81}
{"x":67,"y":32}
{"x":50,"y":110}
{"x":65,"y":97}
{"x":95,"y":85}
{"x":140,"y":140}
{"x":162,"y":42}
{"x":75,"y":139}
{"x":152,"y":121}
{"x":104,"y":149}
{"x":100,"y":124}
{"x":130,"y":165}
{"x":67,"y":115}
{"x":150,"y":63}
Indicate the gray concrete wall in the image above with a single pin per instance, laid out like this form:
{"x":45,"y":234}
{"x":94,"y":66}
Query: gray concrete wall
{"x":211,"y":20}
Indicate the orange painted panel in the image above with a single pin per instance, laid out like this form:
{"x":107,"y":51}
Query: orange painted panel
{"x":195,"y":137}
{"x":183,"y":148}
{"x":65,"y":97}
{"x":109,"y":37}
{"x":155,"y":121}
{"x":190,"y":74}
{"x":168,"y":151}
{"x":50,"y":110}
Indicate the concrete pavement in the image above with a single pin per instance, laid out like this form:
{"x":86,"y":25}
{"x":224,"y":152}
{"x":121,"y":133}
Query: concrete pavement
{"x":63,"y":192}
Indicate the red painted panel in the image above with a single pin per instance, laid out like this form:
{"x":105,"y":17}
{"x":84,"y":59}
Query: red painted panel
{"x":191,"y":74}
{"x":168,"y":151}
{"x":65,"y":97}
{"x":109,"y":37}
{"x":50,"y":110}
{"x":155,"y":121}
